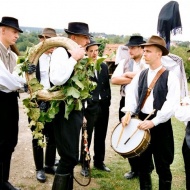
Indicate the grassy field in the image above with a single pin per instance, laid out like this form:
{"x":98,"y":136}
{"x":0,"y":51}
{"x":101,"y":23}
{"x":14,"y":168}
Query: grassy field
{"x":115,"y":181}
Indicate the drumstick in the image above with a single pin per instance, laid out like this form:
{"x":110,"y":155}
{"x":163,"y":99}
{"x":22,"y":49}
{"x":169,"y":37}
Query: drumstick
{"x":138,"y":128}
{"x":122,"y":131}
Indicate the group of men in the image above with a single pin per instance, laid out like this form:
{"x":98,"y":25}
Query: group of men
{"x":136,"y":100}
{"x":164,"y":97}
{"x":65,"y":133}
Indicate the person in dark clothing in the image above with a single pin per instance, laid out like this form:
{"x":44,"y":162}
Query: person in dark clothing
{"x":186,"y":155}
{"x":67,"y":131}
{"x":182,"y":113}
{"x":9,"y":85}
{"x":42,"y":74}
{"x":97,"y":113}
{"x":164,"y":98}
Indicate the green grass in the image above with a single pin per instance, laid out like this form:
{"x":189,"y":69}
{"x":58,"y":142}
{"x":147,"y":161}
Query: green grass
{"x":119,"y":165}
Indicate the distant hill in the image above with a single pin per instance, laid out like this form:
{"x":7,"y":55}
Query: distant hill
{"x":37,"y":29}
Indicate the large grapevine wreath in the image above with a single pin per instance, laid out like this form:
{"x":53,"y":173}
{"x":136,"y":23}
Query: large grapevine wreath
{"x":76,"y":89}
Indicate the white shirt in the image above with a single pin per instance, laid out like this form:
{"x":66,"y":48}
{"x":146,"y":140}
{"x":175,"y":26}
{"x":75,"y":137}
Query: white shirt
{"x":136,"y":67}
{"x":169,"y":106}
{"x":44,"y":62}
{"x":10,"y":81}
{"x":61,"y":66}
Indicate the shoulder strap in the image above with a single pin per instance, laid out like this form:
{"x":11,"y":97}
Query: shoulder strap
{"x":152,"y":84}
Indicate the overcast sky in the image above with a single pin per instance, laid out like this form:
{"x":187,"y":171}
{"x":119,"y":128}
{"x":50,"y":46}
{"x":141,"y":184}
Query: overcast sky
{"x":121,"y":17}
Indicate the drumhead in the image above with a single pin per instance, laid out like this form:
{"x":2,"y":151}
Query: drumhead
{"x":137,"y":138}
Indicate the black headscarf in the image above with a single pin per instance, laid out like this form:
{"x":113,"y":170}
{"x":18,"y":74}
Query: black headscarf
{"x":169,"y":21}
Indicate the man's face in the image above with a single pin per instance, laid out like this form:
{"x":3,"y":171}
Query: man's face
{"x":10,"y":35}
{"x":152,"y":54}
{"x":92,"y":52}
{"x":82,"y":40}
{"x":135,"y":52}
{"x":49,"y":51}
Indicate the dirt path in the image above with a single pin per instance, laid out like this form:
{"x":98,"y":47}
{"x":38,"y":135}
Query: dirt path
{"x":22,"y":167}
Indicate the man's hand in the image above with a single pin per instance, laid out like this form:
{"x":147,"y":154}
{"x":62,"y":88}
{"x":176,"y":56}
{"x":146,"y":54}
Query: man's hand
{"x":77,"y":53}
{"x":145,"y":125}
{"x":126,"y":119}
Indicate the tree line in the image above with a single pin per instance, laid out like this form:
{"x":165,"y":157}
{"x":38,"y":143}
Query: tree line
{"x":29,"y":39}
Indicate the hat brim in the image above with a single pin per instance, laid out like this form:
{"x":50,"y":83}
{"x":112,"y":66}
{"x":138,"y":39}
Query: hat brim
{"x":134,"y":44}
{"x":1,"y":24}
{"x":46,"y":36}
{"x":85,"y":34}
{"x":164,"y":50}
{"x":93,"y":44}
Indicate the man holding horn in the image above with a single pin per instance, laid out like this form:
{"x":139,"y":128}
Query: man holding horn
{"x":148,"y":91}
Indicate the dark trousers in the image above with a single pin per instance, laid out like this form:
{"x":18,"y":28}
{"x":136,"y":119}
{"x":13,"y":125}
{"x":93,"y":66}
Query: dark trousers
{"x":9,"y":116}
{"x":162,"y":148}
{"x":186,"y":157}
{"x":67,"y":134}
{"x":121,"y":105}
{"x":97,"y":121}
{"x":50,"y":149}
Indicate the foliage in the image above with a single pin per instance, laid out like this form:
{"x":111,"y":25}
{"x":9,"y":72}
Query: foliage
{"x":26,"y":40}
{"x":182,"y":52}
{"x":73,"y":92}
{"x":103,"y":43}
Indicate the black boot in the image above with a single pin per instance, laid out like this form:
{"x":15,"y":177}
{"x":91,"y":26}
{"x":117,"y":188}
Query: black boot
{"x":63,"y":182}
{"x":145,"y":181}
{"x":39,"y":163}
{"x":4,"y":175}
{"x":8,"y":186}
{"x":164,"y":185}
{"x":50,"y":159}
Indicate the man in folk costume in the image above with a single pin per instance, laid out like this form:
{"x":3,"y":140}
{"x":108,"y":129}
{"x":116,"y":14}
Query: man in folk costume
{"x":67,"y":131}
{"x":182,"y":114}
{"x":9,"y":85}
{"x":169,"y":20}
{"x":164,"y":97}
{"x":97,"y":113}
{"x":125,"y":71}
{"x":42,"y":74}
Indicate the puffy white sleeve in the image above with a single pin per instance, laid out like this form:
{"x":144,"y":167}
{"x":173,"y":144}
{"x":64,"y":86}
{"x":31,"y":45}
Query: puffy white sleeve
{"x":61,"y":66}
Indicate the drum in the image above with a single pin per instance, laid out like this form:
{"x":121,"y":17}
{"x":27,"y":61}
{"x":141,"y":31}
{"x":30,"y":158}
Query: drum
{"x":135,"y":145}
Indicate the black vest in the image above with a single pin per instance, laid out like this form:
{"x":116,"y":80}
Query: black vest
{"x":103,"y":85}
{"x":160,"y":90}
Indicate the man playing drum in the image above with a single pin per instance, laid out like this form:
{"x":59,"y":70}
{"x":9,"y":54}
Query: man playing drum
{"x":164,"y":98}
{"x":123,"y":74}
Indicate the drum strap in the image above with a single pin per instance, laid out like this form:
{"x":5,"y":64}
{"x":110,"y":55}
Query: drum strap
{"x":152,"y":84}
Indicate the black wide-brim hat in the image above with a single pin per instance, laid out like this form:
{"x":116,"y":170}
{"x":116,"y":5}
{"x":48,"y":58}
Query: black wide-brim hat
{"x":78,"y":28}
{"x":135,"y":41}
{"x":10,"y":22}
{"x":157,"y":41}
{"x":92,"y":43}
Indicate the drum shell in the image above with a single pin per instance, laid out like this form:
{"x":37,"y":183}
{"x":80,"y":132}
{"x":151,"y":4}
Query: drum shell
{"x":138,"y":145}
